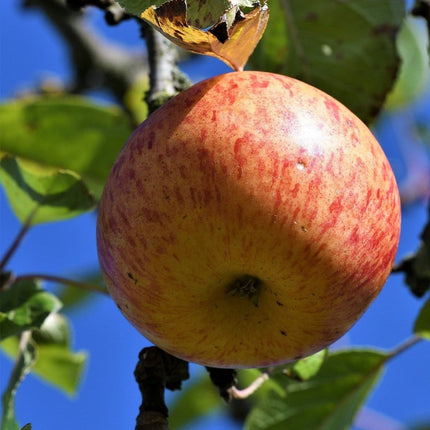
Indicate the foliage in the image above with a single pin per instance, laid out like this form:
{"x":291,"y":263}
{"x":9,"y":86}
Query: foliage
{"x":39,"y":129}
{"x":422,"y":324}
{"x":413,"y":74}
{"x":24,"y":307}
{"x":57,"y":151}
{"x":327,"y":400}
{"x":345,"y":48}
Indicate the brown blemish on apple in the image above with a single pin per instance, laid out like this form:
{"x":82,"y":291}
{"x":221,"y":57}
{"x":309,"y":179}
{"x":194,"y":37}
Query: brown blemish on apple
{"x":132,"y":277}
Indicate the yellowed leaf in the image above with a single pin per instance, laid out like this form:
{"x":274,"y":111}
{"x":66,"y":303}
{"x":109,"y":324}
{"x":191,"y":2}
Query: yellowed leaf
{"x":232,"y":43}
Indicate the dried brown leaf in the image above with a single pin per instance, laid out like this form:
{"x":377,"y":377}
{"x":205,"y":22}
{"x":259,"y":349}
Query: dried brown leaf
{"x":231,"y":44}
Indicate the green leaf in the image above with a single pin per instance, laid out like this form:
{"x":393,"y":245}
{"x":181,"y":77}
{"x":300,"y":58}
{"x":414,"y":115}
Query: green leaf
{"x":327,"y":401}
{"x":133,"y":99}
{"x":60,"y":367}
{"x":65,"y":132}
{"x":56,"y":363}
{"x":414,"y":71}
{"x":345,"y":48}
{"x":195,"y":400}
{"x":24,"y":306}
{"x":200,"y":13}
{"x":136,"y":7}
{"x":54,"y":330}
{"x":205,"y":13}
{"x":307,"y":367}
{"x":422,"y":323}
{"x":26,"y":355}
{"x":40,"y":194}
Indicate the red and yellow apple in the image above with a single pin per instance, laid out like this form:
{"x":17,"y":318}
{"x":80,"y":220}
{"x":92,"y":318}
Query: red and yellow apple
{"x":249,"y":221}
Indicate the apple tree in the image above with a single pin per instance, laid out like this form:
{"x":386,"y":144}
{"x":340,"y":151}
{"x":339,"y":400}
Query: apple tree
{"x":58,"y":146}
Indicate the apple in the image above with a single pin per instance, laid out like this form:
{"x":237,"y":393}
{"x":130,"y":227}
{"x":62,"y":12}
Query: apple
{"x":248,"y":222}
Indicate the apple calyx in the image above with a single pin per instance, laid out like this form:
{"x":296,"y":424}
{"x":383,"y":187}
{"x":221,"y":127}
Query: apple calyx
{"x":246,"y":286}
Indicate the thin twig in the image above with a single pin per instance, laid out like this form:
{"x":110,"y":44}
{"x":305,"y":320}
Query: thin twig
{"x":408,"y":343}
{"x":13,"y":247}
{"x":251,"y":389}
{"x":60,"y":280}
{"x":18,"y":239}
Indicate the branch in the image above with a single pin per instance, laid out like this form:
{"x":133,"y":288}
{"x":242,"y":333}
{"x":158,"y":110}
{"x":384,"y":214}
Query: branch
{"x":225,"y":380}
{"x":96,"y":62}
{"x":165,"y":78}
{"x":155,"y":371}
{"x":114,"y":13}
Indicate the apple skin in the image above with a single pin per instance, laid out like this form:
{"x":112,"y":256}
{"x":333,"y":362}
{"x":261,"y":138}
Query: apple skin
{"x":248,"y":174}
